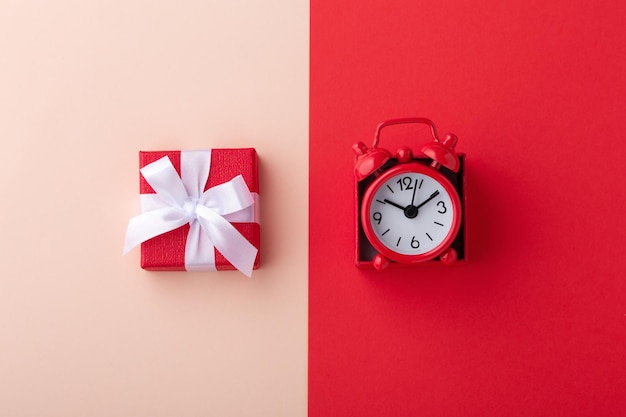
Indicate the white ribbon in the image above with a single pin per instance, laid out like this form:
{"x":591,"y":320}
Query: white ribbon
{"x":180,"y":200}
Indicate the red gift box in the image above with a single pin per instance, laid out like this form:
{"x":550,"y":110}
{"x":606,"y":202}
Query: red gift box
{"x":166,"y":252}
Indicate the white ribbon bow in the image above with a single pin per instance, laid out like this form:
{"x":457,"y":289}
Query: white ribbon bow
{"x":180,"y":200}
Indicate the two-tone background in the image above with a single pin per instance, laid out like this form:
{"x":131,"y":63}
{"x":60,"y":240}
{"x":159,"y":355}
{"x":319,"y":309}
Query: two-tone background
{"x":534,"y":324}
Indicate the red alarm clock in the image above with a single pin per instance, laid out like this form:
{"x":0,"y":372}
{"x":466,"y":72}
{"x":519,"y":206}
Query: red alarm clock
{"x":410,"y":212}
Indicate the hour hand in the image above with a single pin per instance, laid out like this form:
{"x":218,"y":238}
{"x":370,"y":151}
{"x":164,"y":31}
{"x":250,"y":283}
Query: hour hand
{"x":394,"y":204}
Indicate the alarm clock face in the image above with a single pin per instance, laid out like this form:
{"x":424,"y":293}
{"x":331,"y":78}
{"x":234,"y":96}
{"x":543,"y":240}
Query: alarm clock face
{"x":411,"y":213}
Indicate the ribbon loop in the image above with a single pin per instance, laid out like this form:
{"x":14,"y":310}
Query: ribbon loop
{"x":163,"y":178}
{"x":181,"y":200}
{"x":229,"y":197}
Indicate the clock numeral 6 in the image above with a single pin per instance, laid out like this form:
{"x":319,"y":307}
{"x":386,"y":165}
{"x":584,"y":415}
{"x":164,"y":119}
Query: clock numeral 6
{"x":377,"y":217}
{"x":415,"y":243}
{"x":443,"y":207}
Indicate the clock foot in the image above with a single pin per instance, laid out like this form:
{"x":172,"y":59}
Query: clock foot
{"x":449,"y":256}
{"x":380,"y":262}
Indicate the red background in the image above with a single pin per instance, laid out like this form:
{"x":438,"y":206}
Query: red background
{"x":535,"y":323}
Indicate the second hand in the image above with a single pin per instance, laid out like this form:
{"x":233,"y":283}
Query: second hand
{"x":414,"y":189}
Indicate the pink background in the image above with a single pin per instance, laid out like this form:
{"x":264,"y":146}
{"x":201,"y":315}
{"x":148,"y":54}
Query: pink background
{"x":83,"y":87}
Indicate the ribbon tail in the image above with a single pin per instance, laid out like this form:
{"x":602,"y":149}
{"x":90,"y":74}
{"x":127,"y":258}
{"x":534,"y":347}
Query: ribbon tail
{"x":227,"y":239}
{"x":152,"y":223}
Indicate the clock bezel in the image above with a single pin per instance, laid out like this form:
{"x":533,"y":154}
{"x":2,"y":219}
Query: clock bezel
{"x":368,"y":199}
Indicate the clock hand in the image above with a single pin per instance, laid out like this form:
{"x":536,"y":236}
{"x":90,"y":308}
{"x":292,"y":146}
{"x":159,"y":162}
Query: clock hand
{"x":414,"y":188}
{"x":393,"y":204}
{"x":433,"y":195}
{"x":410,"y":211}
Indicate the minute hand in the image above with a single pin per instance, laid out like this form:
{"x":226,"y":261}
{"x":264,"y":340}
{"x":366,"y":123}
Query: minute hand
{"x":433,"y":195}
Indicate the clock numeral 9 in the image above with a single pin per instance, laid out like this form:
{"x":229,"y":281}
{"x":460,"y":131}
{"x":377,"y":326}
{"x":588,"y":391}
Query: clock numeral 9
{"x":405,"y":183}
{"x":443,"y":207}
{"x":415,"y":243}
{"x":377,"y":217}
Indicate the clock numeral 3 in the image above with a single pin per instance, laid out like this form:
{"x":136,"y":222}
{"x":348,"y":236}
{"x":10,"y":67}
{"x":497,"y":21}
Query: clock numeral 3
{"x":443,"y":207}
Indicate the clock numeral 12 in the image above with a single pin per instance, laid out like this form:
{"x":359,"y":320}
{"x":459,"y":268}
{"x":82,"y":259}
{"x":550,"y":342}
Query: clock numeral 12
{"x":405,"y":183}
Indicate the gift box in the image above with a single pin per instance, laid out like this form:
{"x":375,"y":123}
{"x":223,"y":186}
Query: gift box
{"x":200,"y":210}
